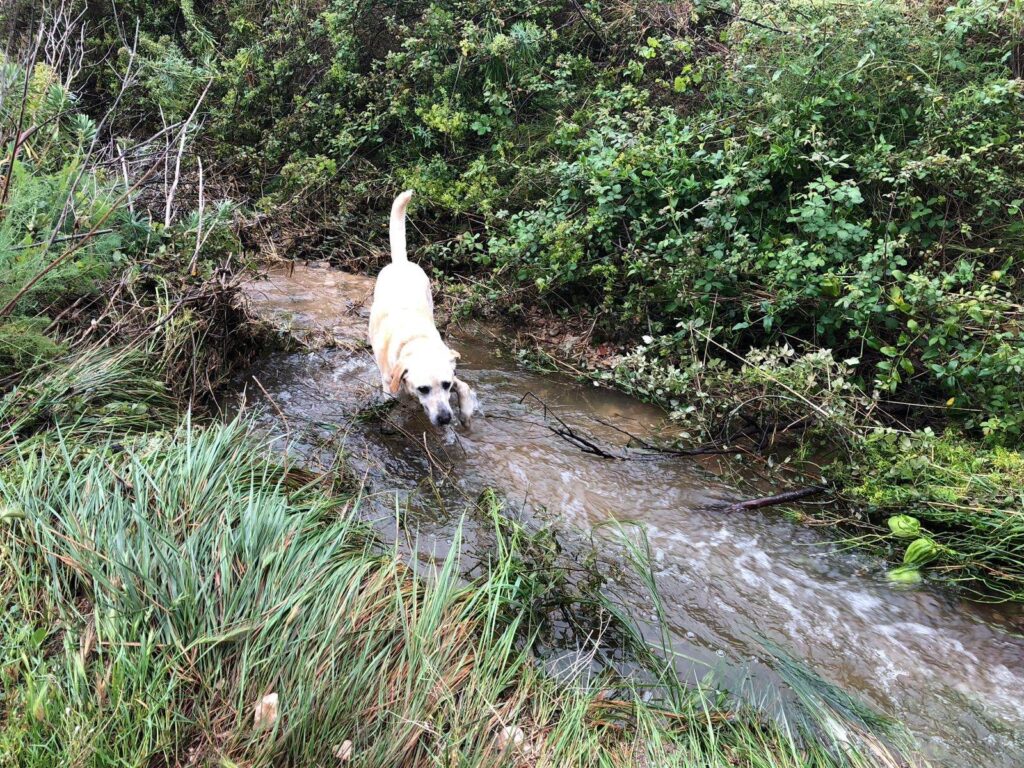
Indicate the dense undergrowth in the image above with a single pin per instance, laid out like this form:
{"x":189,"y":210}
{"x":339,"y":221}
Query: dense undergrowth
{"x":161,"y":572}
{"x":848,"y":180}
{"x":793,"y":219}
{"x":84,"y":254}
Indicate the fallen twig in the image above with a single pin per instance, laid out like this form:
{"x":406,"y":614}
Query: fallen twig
{"x":588,"y":444}
{"x":785,"y":497}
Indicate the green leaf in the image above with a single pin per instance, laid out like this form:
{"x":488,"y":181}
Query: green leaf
{"x":905,"y":526}
{"x":904,"y":575}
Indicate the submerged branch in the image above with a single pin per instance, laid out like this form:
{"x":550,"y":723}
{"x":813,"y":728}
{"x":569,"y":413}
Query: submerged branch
{"x":590,"y":445}
{"x":785,"y":497}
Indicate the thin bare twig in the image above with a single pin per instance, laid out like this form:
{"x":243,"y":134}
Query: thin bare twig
{"x":588,"y":444}
{"x":183,"y":135}
{"x":199,"y":224}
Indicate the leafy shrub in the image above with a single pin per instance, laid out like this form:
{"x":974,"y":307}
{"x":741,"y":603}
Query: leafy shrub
{"x":50,"y":203}
{"x":24,"y":342}
{"x":849,"y":181}
{"x":68,"y":225}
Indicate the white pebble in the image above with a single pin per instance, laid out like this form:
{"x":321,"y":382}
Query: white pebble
{"x":344,"y":751}
{"x":265,"y":712}
{"x":511,"y":734}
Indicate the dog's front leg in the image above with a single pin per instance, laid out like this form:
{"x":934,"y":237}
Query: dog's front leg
{"x":468,"y":402}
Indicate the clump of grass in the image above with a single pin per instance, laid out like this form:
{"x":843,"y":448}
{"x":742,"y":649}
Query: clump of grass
{"x":965,"y":499}
{"x":94,"y":393}
{"x":24,"y":343}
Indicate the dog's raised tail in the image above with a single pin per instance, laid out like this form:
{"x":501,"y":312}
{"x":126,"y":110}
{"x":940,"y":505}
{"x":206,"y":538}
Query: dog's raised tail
{"x":397,"y":227}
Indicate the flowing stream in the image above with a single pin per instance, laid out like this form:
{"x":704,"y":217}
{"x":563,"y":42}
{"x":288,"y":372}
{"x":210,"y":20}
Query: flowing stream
{"x":733,"y":584}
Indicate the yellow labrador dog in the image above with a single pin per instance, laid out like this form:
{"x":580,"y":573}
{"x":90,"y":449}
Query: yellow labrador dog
{"x":414,"y":361}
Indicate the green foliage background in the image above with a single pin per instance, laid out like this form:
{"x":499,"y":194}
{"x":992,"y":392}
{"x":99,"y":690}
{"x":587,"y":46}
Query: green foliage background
{"x":786,"y":209}
{"x":839,"y":176}
{"x":788,"y":217}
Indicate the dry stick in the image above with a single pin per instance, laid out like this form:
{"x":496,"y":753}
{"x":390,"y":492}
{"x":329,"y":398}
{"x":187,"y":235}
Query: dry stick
{"x":64,"y":239}
{"x":124,"y":172}
{"x":287,"y":426}
{"x":20,"y":140}
{"x":568,"y":434}
{"x":69,"y":199}
{"x":779,"y":498}
{"x":587,"y":444}
{"x":754,"y":22}
{"x":712,"y":449}
{"x":58,"y":41}
{"x":169,"y":209}
{"x":199,"y":224}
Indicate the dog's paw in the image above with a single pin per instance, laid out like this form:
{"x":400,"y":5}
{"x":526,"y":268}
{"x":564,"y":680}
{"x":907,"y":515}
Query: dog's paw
{"x":469,"y":403}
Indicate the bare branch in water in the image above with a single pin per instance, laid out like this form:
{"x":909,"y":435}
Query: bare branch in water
{"x":589,"y":444}
{"x":786,"y":497}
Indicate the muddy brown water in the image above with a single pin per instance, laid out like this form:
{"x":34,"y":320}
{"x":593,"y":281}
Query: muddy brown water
{"x":733,"y":585}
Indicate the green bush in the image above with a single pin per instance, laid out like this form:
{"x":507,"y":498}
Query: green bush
{"x":70,"y":226}
{"x":856,"y":191}
{"x":52,"y":199}
{"x":847,"y":177}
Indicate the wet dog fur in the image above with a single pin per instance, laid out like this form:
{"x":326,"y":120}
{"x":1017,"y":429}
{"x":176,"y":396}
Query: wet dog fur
{"x":413,"y":359}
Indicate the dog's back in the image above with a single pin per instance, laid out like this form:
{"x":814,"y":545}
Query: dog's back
{"x":410,"y":353}
{"x":401,"y":298}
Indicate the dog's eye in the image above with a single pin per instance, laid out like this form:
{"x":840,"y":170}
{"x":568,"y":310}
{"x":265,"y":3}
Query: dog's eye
{"x":446,"y":384}
{"x":424,"y":390}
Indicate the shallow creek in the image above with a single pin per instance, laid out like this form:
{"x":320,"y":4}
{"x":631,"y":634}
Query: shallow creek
{"x":733,"y":584}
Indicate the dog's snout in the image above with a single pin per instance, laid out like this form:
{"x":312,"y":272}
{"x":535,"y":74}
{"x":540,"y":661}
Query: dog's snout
{"x":444,"y":418}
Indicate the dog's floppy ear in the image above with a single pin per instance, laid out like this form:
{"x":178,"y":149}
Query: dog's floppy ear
{"x":453,"y":354}
{"x":396,"y":379}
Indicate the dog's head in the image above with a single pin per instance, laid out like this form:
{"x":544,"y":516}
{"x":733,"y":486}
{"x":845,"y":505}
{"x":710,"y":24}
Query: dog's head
{"x":427,"y":372}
